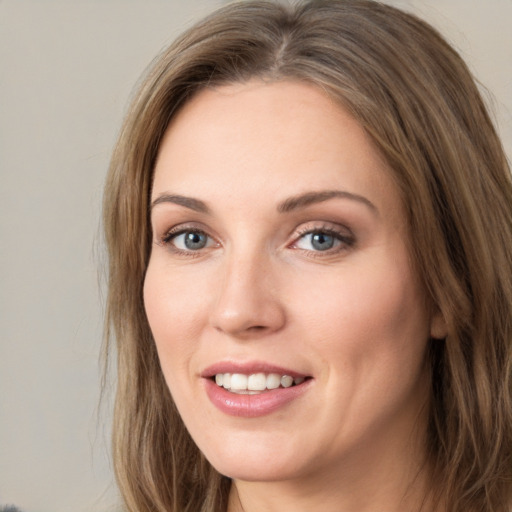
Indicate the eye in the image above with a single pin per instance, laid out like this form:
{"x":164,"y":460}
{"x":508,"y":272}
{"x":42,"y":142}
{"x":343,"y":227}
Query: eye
{"x":323,"y":240}
{"x":188,"y":240}
{"x":317,"y":241}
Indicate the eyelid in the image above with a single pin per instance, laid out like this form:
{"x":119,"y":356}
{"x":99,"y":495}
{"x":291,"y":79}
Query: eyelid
{"x":166,"y":239}
{"x":341,"y":233}
{"x":179,"y":228}
{"x":329,"y":227}
{"x":172,"y":233}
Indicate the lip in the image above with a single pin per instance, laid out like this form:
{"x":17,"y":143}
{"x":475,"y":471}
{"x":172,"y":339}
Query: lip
{"x":251,"y":406}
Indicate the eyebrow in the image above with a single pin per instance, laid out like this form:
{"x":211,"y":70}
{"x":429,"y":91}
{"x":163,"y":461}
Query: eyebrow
{"x":309,"y":198}
{"x":188,"y":202}
{"x":288,"y":205}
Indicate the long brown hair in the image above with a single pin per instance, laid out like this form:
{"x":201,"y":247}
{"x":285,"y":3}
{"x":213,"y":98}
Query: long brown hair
{"x":417,"y":100}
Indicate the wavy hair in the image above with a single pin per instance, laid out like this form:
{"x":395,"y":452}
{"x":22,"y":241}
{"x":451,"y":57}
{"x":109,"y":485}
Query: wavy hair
{"x":418,"y":102}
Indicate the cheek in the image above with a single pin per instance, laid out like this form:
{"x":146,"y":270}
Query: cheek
{"x":370,"y":331}
{"x":375,"y":316}
{"x":174,"y":308}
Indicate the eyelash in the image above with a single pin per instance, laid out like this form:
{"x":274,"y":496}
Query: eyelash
{"x":173,"y":233}
{"x":346,"y":241}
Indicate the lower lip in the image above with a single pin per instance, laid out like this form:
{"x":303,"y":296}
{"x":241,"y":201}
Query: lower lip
{"x":252,"y":406}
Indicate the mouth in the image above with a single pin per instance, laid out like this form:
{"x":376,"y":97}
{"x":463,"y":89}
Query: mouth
{"x":256,"y":383}
{"x":253,"y":389}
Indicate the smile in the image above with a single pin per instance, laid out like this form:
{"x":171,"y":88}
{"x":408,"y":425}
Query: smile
{"x":255,"y":383}
{"x":253,"y":389}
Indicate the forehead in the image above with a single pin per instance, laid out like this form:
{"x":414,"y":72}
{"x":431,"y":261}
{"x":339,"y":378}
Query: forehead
{"x":267,"y":140}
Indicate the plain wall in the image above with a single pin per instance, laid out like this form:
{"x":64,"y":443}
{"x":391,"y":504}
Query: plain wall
{"x":67,"y":69}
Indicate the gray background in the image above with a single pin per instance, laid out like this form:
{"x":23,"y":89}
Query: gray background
{"x":66,"y":72}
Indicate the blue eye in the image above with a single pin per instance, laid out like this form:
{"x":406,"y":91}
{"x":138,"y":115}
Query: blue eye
{"x":189,"y":240}
{"x":320,"y":240}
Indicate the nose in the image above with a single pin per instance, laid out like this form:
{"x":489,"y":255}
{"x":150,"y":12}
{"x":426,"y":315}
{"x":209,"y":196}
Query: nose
{"x":248,"y":304}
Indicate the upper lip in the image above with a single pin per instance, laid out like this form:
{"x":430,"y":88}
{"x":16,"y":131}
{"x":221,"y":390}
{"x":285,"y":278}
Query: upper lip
{"x":248,"y":368}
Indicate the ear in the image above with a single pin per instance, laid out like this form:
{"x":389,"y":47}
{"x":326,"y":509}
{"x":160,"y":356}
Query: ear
{"x":438,"y":327}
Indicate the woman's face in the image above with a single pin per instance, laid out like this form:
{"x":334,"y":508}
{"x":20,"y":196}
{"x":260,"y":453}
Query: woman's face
{"x":280,"y":268}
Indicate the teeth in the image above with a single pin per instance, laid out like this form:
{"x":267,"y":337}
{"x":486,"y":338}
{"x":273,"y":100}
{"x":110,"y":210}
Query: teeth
{"x":286,"y":381}
{"x":226,"y":380}
{"x":238,"y":381}
{"x":273,"y":381}
{"x":257,"y":382}
{"x":251,"y":384}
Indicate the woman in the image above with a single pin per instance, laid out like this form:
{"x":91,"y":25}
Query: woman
{"x":309,"y":223}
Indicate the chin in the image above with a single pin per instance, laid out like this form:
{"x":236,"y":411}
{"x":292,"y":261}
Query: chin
{"x":255,"y":472}
{"x":257,"y":463}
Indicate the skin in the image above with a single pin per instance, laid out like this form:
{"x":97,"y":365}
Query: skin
{"x":353,"y":317}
